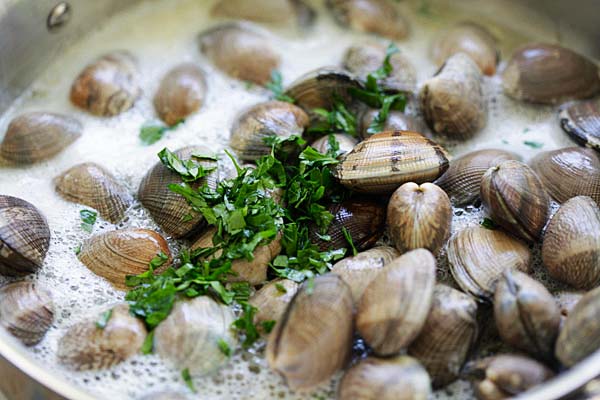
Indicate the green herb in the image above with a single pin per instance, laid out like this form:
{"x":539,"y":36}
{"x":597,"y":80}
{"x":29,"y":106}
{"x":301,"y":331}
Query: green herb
{"x":338,"y":120}
{"x":246,"y":324}
{"x":504,"y":141}
{"x":488,"y":224}
{"x":275,"y":85}
{"x":187,"y":378}
{"x":88,"y":219}
{"x":280,"y":288}
{"x":348,"y":238}
{"x":268,"y":326}
{"x":526,"y":130}
{"x":150,"y":134}
{"x":148,"y":345}
{"x":533,"y":145}
{"x":224,"y":347}
{"x":189,"y":170}
{"x":104,"y":318}
{"x":77,"y":249}
{"x":424,"y":8}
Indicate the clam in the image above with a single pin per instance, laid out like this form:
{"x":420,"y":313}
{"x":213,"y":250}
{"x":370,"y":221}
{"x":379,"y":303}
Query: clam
{"x":107,"y":86}
{"x":550,"y":74}
{"x":364,"y":220}
{"x":580,"y":335}
{"x":396,"y":121}
{"x":115,"y":254}
{"x":386,"y":160}
{"x":190,"y":336}
{"x":168,"y":209}
{"x":24,"y":237}
{"x":86,"y":346}
{"x":452,"y":101}
{"x":313,"y":339}
{"x":345,"y":142}
{"x":397,"y":378}
{"x":419,"y":216}
{"x":253,"y":126}
{"x":581,"y":120}
{"x":181,"y":93}
{"x":478,"y":256}
{"x":37,"y":136}
{"x":462,"y":180}
{"x":240,"y":51}
{"x":272,"y":299}
{"x":358,"y":271}
{"x":92,"y":185}
{"x":516,"y":199}
{"x":269,"y":11}
{"x":374,"y":16}
{"x":366,"y":58}
{"x":472,"y":39}
{"x":507,"y":375}
{"x":447,"y":336}
{"x":26,"y":311}
{"x":571,"y":248}
{"x":253,"y":271}
{"x":527,"y":315}
{"x":569,"y":172}
{"x":395,"y":305}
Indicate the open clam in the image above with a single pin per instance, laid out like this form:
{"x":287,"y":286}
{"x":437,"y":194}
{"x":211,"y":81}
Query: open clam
{"x":581,"y":120}
{"x":270,"y":11}
{"x":24,"y":237}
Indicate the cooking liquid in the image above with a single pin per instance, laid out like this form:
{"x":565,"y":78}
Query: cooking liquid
{"x":162,"y":34}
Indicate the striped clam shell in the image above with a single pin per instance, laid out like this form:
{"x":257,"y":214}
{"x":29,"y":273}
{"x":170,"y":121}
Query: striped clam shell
{"x":92,"y":185}
{"x":386,"y":160}
{"x":581,"y":120}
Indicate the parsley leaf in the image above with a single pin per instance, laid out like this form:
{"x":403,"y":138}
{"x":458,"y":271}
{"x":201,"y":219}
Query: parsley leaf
{"x":104,"y":318}
{"x":148,"y":345}
{"x":268,"y":326}
{"x":224,"y":347}
{"x":339,"y":119}
{"x":187,"y":378}
{"x":488,"y":224}
{"x":189,"y":170}
{"x":275,"y":85}
{"x":533,"y":145}
{"x":348,"y":238}
{"x":246,"y":324}
{"x":280,"y":288}
{"x":88,"y":219}
{"x":150,"y":134}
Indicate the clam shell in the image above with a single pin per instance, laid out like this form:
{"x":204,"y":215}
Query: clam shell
{"x":571,"y":247}
{"x":253,"y":126}
{"x":240,"y":51}
{"x":24,"y":237}
{"x":37,"y":136}
{"x":358,"y":271}
{"x":168,"y":209}
{"x":189,"y":337}
{"x":374,"y":16}
{"x":26,"y":311}
{"x":580,"y":335}
{"x":181,"y":92}
{"x":472,"y":39}
{"x":516,"y":199}
{"x":478,"y":256}
{"x":396,"y":121}
{"x":397,"y":378}
{"x":114,"y":255}
{"x":313,"y":339}
{"x":526,"y":314}
{"x":92,"y":185}
{"x":581,"y":120}
{"x":85,"y":346}
{"x":386,"y":160}
{"x":452,"y":101}
{"x":272,"y":299}
{"x":462,"y":180}
{"x":569,"y":172}
{"x":395,"y":305}
{"x":107,"y":86}
{"x":419,"y":216}
{"x":269,"y":11}
{"x":346,"y":143}
{"x":447,"y":336}
{"x":550,"y":74}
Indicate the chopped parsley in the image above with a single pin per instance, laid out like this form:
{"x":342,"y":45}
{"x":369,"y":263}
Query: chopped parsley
{"x":268,"y":326}
{"x":88,"y":219}
{"x":187,"y":378}
{"x":348,"y":238}
{"x":224,"y":347}
{"x":533,"y":145}
{"x":245,"y":324}
{"x":338,"y":120}
{"x":275,"y":85}
{"x":150,"y":134}
{"x":487,"y":223}
{"x":280,"y":288}
{"x":148,"y":345}
{"x":189,"y":170}
{"x":77,"y":249}
{"x":104,"y":318}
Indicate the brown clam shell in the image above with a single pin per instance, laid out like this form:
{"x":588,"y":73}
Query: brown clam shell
{"x":181,"y":93}
{"x":114,"y":255}
{"x":168,"y":209}
{"x":240,"y":51}
{"x":569,"y":172}
{"x":395,"y":305}
{"x":107,"y":86}
{"x":472,"y":39}
{"x":269,"y":11}
{"x":550,"y":74}
{"x":37,"y":136}
{"x":396,"y":121}
{"x":24,"y":237}
{"x":581,"y":120}
{"x":374,"y":16}
{"x":272,"y":299}
{"x":447,"y":336}
{"x":419,"y":216}
{"x":452,"y":101}
{"x":478,"y":256}
{"x":386,"y":160}
{"x":571,"y":248}
{"x":26,"y":311}
{"x":462,"y":180}
{"x":313,"y":339}
{"x":516,"y":199}
{"x":92,"y":185}
{"x":345,"y":142}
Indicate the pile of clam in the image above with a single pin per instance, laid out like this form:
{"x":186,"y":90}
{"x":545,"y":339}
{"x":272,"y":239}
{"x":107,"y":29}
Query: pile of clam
{"x":422,"y":332}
